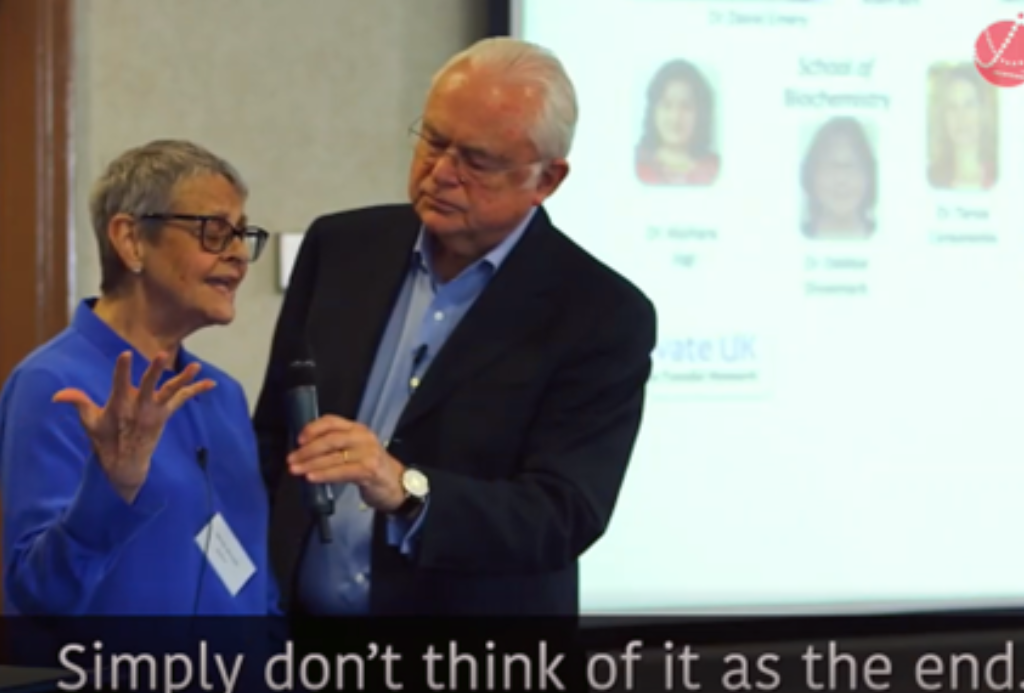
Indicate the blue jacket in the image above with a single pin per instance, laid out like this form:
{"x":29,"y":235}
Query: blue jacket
{"x":72,"y":546}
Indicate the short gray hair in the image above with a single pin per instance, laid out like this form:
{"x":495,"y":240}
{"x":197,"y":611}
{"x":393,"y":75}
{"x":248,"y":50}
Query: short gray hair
{"x":144,"y":180}
{"x":517,"y":60}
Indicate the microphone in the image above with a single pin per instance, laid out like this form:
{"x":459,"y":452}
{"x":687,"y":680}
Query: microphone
{"x":303,"y":409}
{"x":201,"y":457}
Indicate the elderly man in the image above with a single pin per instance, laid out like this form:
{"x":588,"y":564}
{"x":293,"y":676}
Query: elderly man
{"x":481,"y":377}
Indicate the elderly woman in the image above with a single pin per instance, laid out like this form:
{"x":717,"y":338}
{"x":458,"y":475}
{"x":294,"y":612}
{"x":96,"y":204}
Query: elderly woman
{"x":129,"y":485}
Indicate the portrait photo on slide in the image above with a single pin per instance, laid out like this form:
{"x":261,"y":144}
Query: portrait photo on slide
{"x":963,"y":129}
{"x":839,"y":180}
{"x":678,"y":131}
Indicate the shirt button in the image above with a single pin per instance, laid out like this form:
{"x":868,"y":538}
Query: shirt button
{"x":360,"y":578}
{"x":439,"y":316}
{"x":364,"y":507}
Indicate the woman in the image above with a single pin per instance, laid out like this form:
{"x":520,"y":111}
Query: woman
{"x":962,"y":132}
{"x":105,"y":505}
{"x":676,"y":145}
{"x":839,"y":182}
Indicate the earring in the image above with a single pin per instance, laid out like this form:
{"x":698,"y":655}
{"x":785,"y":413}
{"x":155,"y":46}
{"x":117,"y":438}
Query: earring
{"x":137,"y":269}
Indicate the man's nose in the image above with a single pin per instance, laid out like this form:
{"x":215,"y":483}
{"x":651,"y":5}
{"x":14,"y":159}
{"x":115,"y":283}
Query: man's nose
{"x":447,"y":168}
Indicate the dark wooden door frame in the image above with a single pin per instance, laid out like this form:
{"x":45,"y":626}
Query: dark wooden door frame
{"x":36,"y":244}
{"x":36,"y":227}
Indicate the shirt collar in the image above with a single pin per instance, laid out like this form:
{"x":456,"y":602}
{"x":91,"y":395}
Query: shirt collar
{"x":491,"y":261}
{"x":102,"y":336}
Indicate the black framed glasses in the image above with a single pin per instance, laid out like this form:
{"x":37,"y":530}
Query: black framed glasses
{"x":217,"y":233}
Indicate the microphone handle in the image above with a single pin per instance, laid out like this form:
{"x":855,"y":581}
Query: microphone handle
{"x":324,"y":525}
{"x":302,"y":410}
{"x":320,"y":498}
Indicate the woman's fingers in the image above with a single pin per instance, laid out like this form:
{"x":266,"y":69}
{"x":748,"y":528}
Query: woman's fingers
{"x":122,"y":385}
{"x":151,"y":377}
{"x":173,"y":386}
{"x":186,"y":393}
{"x":88,"y":412}
{"x":124,"y":409}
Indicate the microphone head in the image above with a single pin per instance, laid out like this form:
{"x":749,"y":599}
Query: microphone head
{"x":301,"y":374}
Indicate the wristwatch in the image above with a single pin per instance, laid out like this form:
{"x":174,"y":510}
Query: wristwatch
{"x":417,"y":488}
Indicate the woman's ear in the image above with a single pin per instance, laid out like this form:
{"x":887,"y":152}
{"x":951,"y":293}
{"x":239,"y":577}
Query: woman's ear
{"x":123,"y":234}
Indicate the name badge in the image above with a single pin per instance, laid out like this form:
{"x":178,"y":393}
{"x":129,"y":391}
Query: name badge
{"x":226,"y":554}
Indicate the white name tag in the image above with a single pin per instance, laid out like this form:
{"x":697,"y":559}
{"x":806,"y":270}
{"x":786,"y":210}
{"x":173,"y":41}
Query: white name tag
{"x":226,"y":555}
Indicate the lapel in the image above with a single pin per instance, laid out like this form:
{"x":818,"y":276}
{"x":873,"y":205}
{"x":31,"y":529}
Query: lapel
{"x":348,"y":326}
{"x":511,"y":308}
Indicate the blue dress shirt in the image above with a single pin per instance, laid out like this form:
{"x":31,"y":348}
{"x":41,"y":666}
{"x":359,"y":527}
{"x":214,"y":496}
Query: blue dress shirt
{"x":335,"y":578}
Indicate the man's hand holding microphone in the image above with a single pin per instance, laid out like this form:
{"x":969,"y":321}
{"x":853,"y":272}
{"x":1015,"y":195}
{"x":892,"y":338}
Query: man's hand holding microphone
{"x":335,"y":450}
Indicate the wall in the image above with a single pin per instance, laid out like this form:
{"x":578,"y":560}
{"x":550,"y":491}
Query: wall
{"x":311,"y":100}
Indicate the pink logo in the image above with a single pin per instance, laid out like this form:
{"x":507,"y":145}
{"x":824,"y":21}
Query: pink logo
{"x":999,"y":53}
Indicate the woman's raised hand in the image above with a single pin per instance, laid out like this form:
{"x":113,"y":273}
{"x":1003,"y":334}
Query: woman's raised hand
{"x":125,"y":431}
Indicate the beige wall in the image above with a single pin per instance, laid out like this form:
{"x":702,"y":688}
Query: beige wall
{"x":310,"y":99}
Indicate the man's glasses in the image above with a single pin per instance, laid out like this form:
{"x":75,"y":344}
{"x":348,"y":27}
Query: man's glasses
{"x":216,"y":234}
{"x":471,"y":165}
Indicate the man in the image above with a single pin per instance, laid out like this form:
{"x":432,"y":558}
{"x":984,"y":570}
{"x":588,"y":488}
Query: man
{"x":481,"y":377}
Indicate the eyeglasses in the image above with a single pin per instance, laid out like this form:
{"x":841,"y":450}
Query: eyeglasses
{"x":217,"y":233}
{"x":471,"y":164}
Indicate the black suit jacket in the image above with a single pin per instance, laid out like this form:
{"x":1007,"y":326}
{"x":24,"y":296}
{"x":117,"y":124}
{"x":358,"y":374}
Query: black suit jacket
{"x":524,"y":423}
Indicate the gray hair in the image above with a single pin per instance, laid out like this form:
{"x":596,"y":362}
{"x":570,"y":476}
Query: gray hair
{"x":144,"y":180}
{"x":555,"y":127}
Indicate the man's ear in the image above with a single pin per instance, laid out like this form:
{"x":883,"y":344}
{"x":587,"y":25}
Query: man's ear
{"x":123,"y":234}
{"x":551,"y":177}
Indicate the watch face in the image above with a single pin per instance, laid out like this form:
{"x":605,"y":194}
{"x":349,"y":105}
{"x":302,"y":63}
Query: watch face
{"x":415,"y":483}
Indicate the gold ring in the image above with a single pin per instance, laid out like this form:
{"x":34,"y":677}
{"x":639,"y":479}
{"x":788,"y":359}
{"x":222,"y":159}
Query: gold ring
{"x":344,"y":456}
